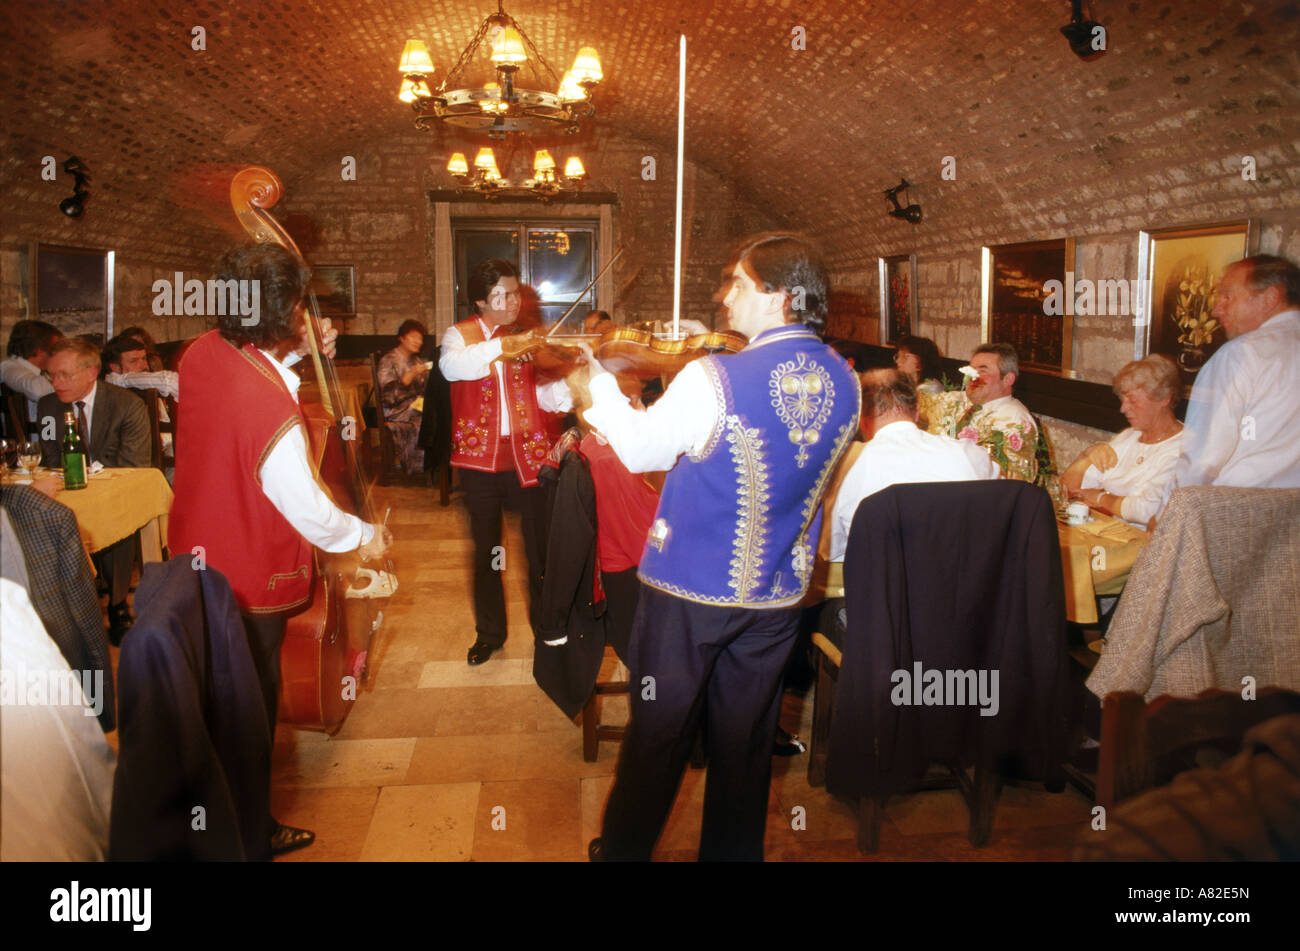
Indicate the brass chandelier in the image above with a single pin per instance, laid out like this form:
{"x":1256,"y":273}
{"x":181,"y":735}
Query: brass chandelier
{"x":485,"y":178}
{"x":503,"y":107}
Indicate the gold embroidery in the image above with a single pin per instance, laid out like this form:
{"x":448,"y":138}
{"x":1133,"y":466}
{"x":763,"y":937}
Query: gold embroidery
{"x":752,"y":497}
{"x":802,"y":394}
{"x":720,"y":393}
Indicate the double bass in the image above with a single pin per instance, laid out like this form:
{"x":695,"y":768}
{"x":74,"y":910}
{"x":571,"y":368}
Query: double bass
{"x":323,"y":658}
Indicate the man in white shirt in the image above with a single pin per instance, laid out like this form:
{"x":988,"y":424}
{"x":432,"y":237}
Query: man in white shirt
{"x":127,"y":360}
{"x":1243,"y":417}
{"x":898,"y":451}
{"x":502,"y":429}
{"x":990,"y":416}
{"x":248,"y":499}
{"x":23,"y":370}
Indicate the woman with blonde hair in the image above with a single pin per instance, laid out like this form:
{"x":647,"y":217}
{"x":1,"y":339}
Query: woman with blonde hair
{"x":1127,"y":476}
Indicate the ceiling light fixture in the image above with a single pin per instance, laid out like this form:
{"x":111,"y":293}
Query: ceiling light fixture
{"x":500,"y":108}
{"x":485,"y":177}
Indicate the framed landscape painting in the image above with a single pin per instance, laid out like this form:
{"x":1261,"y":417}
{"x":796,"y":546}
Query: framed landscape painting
{"x":1181,"y":269}
{"x":335,"y":288}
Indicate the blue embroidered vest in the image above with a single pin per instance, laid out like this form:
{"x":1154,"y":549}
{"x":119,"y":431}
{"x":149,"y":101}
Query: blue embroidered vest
{"x":738,"y":524}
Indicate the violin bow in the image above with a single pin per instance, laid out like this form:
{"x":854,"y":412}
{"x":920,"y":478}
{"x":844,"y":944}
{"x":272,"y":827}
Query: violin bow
{"x":572,"y":307}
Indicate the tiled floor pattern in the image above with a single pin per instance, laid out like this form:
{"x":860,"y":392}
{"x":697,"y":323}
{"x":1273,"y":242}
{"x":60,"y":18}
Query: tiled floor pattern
{"x":443,"y":762}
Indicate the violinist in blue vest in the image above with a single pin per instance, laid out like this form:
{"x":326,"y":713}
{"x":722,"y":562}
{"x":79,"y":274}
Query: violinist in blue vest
{"x":751,"y":440}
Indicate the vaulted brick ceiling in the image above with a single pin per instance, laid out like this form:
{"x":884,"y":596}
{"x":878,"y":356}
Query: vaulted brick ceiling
{"x":813,"y":136}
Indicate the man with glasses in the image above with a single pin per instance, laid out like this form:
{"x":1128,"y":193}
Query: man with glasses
{"x":502,"y":428}
{"x":114,"y":428}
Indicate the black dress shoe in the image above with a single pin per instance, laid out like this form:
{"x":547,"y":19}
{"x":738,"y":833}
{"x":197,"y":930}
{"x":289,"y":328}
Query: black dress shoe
{"x":119,"y":622}
{"x":287,"y":839}
{"x":787,"y":744}
{"x":596,"y":850}
{"x":480,"y":652}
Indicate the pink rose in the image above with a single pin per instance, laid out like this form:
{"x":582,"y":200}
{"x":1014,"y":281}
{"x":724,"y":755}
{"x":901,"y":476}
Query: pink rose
{"x":969,"y":433}
{"x":1015,"y":442}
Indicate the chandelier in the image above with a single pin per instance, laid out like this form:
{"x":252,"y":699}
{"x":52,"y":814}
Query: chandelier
{"x":485,"y":178}
{"x":502,"y":107}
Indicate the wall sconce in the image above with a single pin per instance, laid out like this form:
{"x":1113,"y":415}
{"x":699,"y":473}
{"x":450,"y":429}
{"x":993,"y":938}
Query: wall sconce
{"x":1087,"y":37}
{"x":75,"y":205}
{"x":911,"y":213}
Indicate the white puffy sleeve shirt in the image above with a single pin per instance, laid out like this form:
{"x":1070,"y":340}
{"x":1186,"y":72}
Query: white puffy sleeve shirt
{"x":460,"y":362}
{"x":651,"y":440}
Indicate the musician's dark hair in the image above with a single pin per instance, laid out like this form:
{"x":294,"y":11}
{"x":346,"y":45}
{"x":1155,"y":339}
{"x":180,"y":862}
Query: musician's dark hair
{"x":790,"y":262}
{"x":119,"y":346}
{"x":925,"y":350}
{"x":485,"y":277}
{"x":139,"y":333}
{"x":408,"y":326}
{"x":888,"y":390}
{"x":30,"y":337}
{"x":1269,"y":270}
{"x":282,"y":279}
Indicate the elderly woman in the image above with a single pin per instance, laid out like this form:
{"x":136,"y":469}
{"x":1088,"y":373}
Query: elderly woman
{"x":918,"y":357}
{"x":1128,"y":475}
{"x":402,"y":378}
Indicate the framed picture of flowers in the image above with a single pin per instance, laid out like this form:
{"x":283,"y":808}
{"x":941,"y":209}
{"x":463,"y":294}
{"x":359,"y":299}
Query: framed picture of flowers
{"x":899,"y":309}
{"x":1181,"y":269}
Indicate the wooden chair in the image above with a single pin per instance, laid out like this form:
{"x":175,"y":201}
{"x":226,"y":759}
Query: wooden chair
{"x":593,"y":731}
{"x":1144,"y":745}
{"x":153,"y":402}
{"x":15,"y":421}
{"x":387,"y":467}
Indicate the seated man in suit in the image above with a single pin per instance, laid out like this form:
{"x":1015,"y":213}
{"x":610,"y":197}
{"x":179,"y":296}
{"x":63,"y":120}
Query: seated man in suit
{"x":898,"y":451}
{"x":115,"y":430}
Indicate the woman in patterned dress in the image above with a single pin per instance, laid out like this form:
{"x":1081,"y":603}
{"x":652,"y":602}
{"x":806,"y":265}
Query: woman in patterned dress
{"x":402,"y":378}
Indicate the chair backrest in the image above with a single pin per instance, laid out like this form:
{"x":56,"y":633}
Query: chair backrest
{"x":14,"y":413}
{"x":962,"y":580}
{"x":150,"y":398}
{"x":376,"y":393}
{"x":1144,"y":745}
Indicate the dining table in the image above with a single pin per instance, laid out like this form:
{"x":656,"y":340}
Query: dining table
{"x":1096,"y":559}
{"x":114,"y":504}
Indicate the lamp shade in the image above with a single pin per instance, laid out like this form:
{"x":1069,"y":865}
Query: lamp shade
{"x":508,"y":47}
{"x":586,"y":68}
{"x":485,"y":159}
{"x":573,"y":168}
{"x":569,"y":90}
{"x":457,"y":165}
{"x":542,"y":160}
{"x":415,"y":59}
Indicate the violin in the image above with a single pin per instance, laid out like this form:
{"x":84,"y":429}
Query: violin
{"x":323,"y":658}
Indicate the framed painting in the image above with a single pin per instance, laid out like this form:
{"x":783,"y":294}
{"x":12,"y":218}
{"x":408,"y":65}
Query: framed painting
{"x":1180,"y":270}
{"x":74,"y":290}
{"x":1017,"y":303}
{"x":335,"y":288}
{"x":899,"y":307}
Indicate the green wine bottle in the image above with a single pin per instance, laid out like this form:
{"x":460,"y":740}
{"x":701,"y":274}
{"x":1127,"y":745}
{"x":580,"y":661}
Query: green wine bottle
{"x":74,"y":454}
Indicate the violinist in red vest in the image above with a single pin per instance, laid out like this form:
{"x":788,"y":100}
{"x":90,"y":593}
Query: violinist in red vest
{"x":248,"y":496}
{"x":503,"y":425}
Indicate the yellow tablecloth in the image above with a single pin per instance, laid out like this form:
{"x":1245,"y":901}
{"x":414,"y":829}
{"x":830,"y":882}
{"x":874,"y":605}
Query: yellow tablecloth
{"x":117,"y":502}
{"x":354,"y":399}
{"x":1096,"y":558}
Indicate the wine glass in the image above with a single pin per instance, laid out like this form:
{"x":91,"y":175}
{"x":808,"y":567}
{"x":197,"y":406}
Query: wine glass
{"x":29,"y":456}
{"x":6,"y":447}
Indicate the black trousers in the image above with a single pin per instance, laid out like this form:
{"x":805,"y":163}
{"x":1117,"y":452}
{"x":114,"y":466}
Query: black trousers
{"x":723,"y":663}
{"x":265,"y":636}
{"x":115,"y":564}
{"x":487,"y":495}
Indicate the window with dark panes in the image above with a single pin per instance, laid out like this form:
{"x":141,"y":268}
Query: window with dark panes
{"x":555,"y":258}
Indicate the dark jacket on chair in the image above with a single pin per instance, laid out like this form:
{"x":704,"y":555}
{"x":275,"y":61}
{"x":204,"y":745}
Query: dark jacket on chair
{"x":62,"y":587}
{"x":193,"y":725}
{"x":953,"y":577}
{"x":435,"y":421}
{"x":572,"y":604}
{"x":120,"y":436}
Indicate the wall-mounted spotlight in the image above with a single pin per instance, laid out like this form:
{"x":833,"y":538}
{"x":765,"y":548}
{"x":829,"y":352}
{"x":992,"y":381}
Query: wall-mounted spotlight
{"x":910,"y":213}
{"x":76,"y":204}
{"x":1087,"y":37}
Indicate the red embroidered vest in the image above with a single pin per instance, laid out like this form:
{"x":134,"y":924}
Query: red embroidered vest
{"x":476,"y":419}
{"x":236,"y":408}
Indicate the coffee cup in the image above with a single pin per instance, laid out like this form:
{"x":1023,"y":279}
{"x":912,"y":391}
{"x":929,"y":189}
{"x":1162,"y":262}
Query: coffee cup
{"x":1076,"y":513}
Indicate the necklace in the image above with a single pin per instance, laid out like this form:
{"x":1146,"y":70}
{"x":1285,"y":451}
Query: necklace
{"x":1155,"y":442}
